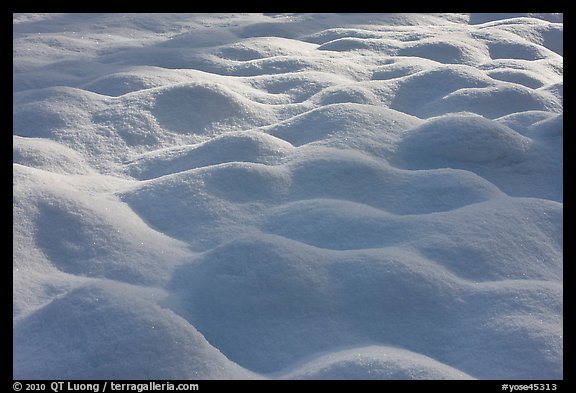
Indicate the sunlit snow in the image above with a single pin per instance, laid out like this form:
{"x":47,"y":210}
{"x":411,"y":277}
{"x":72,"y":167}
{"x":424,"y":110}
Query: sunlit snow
{"x":288,"y":196}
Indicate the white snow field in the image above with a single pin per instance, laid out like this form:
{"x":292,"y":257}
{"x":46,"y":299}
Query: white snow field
{"x":288,"y":196}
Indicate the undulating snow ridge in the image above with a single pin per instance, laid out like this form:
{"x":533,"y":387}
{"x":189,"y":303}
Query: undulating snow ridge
{"x":288,"y":196}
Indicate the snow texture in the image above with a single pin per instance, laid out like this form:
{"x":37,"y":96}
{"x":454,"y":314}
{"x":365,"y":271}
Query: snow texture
{"x":288,"y":196}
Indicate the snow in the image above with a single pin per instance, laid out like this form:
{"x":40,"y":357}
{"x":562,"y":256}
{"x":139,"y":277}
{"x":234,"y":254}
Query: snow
{"x":375,"y":362}
{"x":288,"y":196}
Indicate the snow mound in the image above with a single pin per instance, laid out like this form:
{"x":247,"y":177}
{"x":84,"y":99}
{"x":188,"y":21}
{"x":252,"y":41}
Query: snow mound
{"x":333,"y":34}
{"x":513,"y":258}
{"x":375,"y":362}
{"x":261,"y":48}
{"x":351,"y":44}
{"x":296,"y":87}
{"x":358,"y":178}
{"x":51,"y":112}
{"x":345,"y":94}
{"x":518,"y":164}
{"x":311,"y":297}
{"x":135,"y":79}
{"x":231,"y":193}
{"x":416,"y":91}
{"x":114,"y":331}
{"x":552,"y":127}
{"x":247,"y":146}
{"x":441,"y":237}
{"x":523,"y":78}
{"x":308,"y":296}
{"x":449,"y":140}
{"x":399,"y":68}
{"x":200,"y":108}
{"x":493,"y":102}
{"x":335,"y":224}
{"x":521,"y":122}
{"x":446,"y":51}
{"x":513,"y":42}
{"x":90,"y":235}
{"x":341,"y":120}
{"x":48,"y":155}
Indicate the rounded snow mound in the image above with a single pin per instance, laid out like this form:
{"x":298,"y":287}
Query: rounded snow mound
{"x":334,"y":174}
{"x":494,"y":101}
{"x":263,"y":47}
{"x":502,"y":47}
{"x":399,"y":68}
{"x":521,"y":77}
{"x":276,"y":65}
{"x":478,"y":243}
{"x":446,"y":51}
{"x":49,"y":112}
{"x":416,"y":91}
{"x":297,"y":86}
{"x":549,"y":128}
{"x":499,"y":18}
{"x":346,"y":94}
{"x":108,"y":330}
{"x":116,"y":85}
{"x":521,"y":122}
{"x":375,"y":362}
{"x":48,"y":155}
{"x":212,"y":203}
{"x":453,"y":140}
{"x":556,"y":89}
{"x":526,"y":37}
{"x":135,"y":79}
{"x":283,"y":300}
{"x":346,"y":44}
{"x":442,"y":237}
{"x":327,"y":35}
{"x":93,"y":237}
{"x":245,"y":182}
{"x":199,"y":108}
{"x":335,"y":224}
{"x":244,"y":146}
{"x":352,"y":120}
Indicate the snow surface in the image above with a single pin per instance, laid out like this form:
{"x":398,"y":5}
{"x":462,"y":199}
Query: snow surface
{"x":288,"y":196}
